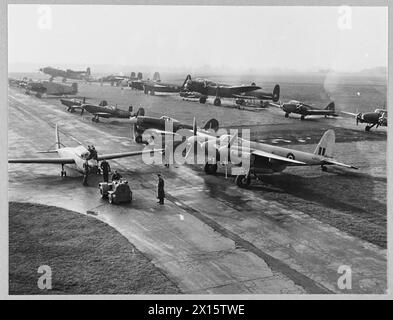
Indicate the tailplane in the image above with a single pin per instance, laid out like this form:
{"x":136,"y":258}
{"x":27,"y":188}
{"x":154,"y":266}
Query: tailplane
{"x":212,"y":124}
{"x":325,"y":146}
{"x":330,"y":106}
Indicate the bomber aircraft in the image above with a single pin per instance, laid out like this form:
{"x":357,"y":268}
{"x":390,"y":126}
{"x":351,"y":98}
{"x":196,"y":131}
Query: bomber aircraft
{"x":66,"y":74}
{"x":210,"y":88}
{"x":76,"y":156}
{"x":157,"y":86}
{"x":145,"y":127}
{"x":263,"y":158}
{"x":304,"y":110}
{"x":259,"y":94}
{"x":377,"y":118}
{"x":50,"y":88}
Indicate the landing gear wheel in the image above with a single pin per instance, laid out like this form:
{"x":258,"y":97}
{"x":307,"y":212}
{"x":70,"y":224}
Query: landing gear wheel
{"x":302,"y":118}
{"x":217,"y":102}
{"x":243,"y":181}
{"x":110,"y":199}
{"x":138,"y":139}
{"x":324,"y":168}
{"x":152,"y":93}
{"x":202,"y":100}
{"x":63,"y":173}
{"x":367,"y":128}
{"x":210,"y":168}
{"x":287,"y":115}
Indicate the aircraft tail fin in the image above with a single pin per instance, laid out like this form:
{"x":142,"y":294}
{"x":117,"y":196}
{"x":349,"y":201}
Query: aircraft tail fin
{"x":74,"y":88}
{"x":331,"y":106}
{"x":88,"y":72}
{"x":132,"y":76}
{"x":57,"y":137}
{"x":276,"y":93}
{"x":156,"y":77}
{"x":140,"y":75}
{"x":212,"y":124}
{"x":325,"y":146}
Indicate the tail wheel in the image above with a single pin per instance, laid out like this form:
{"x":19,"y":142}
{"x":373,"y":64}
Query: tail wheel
{"x":243,"y":181}
{"x":210,"y":168}
{"x":110,"y":199}
{"x":287,"y":115}
{"x":202,"y":100}
{"x":324,"y":168}
{"x":367,"y":128}
{"x":302,"y":118}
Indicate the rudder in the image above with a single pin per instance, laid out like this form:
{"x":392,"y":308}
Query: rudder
{"x":325,"y":146}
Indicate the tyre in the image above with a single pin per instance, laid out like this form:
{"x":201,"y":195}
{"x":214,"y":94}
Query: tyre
{"x":242,"y":181}
{"x":217,"y":102}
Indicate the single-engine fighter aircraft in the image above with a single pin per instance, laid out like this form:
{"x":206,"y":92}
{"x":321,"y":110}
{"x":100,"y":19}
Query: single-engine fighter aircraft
{"x":77,"y":156}
{"x":51,"y":88}
{"x":218,"y":90}
{"x":103,"y":110}
{"x":377,"y":118}
{"x":66,"y":74}
{"x":263,"y":158}
{"x":304,"y":110}
{"x":258,"y":95}
{"x":145,"y":127}
{"x":73,"y":104}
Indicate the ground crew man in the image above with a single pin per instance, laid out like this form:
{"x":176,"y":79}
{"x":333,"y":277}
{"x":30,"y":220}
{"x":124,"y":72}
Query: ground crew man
{"x":85,"y":172}
{"x":160,"y":190}
{"x":105,"y":169}
{"x":116,"y":176}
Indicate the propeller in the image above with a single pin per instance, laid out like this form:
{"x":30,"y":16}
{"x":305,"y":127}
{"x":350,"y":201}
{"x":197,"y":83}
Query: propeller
{"x":193,"y":139}
{"x":358,"y":118}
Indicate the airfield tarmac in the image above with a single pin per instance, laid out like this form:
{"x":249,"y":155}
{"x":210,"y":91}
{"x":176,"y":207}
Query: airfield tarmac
{"x":288,"y":234}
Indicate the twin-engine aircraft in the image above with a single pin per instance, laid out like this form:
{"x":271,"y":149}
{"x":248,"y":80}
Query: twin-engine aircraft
{"x":378,"y":118}
{"x":218,"y":90}
{"x":76,"y":157}
{"x":304,"y":110}
{"x":263,"y":158}
{"x":50,"y":88}
{"x":66,"y":74}
{"x":157,"y":86}
{"x":145,"y":127}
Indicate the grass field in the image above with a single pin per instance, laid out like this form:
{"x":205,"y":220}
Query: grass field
{"x":86,"y":256}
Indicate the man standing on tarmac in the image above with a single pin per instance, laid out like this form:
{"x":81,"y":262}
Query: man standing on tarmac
{"x":160,"y":189}
{"x":85,"y":172}
{"x":105,"y":167}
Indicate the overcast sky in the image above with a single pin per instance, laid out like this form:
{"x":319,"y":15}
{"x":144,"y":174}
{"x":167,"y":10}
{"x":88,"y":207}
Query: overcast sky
{"x":189,"y":37}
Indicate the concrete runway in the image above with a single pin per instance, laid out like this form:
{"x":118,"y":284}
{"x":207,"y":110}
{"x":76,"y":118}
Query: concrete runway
{"x":211,"y":236}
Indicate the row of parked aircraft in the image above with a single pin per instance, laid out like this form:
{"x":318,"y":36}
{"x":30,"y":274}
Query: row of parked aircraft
{"x":199,"y":88}
{"x":216,"y":149}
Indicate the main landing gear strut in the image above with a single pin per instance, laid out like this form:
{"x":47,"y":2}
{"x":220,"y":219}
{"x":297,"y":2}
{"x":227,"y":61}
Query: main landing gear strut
{"x":63,"y":172}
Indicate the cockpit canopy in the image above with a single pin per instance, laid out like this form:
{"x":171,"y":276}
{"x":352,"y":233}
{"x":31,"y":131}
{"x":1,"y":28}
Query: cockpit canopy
{"x":169,"y":119}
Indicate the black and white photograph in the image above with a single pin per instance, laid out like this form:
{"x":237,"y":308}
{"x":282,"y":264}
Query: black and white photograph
{"x":201,"y":150}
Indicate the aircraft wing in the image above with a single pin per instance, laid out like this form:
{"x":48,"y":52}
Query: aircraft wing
{"x":350,"y":113}
{"x":240,"y":89}
{"x":43,"y":160}
{"x":103,"y":114}
{"x":159,"y":131}
{"x":126,"y":154}
{"x":328,"y":161}
{"x":269,"y":155}
{"x":315,"y":112}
